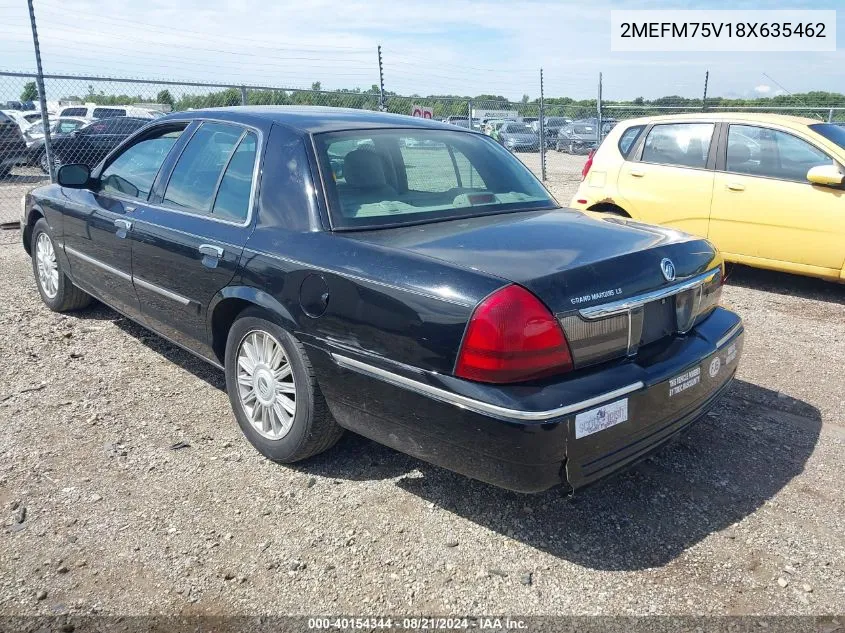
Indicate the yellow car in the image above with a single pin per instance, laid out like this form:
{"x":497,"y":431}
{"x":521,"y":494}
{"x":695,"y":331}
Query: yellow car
{"x":766,"y":189}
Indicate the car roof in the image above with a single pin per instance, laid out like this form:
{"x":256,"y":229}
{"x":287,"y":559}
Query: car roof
{"x":723,"y":116}
{"x":314,"y":119}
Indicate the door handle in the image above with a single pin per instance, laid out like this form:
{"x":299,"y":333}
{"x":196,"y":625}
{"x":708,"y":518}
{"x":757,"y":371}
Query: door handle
{"x":123,"y":227}
{"x":211,"y":255}
{"x":735,"y":186}
{"x":636,"y":173}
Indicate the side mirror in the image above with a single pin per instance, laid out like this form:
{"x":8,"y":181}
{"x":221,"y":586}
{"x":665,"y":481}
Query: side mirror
{"x":827,"y":175}
{"x":73,"y":176}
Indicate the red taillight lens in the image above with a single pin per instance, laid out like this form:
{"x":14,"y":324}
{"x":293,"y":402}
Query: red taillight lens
{"x":512,"y":337}
{"x":588,"y":164}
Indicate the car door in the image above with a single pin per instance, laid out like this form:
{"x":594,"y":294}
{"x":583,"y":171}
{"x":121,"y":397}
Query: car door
{"x":98,"y":221}
{"x":669,"y":179}
{"x":187,"y":245}
{"x":764,"y":208}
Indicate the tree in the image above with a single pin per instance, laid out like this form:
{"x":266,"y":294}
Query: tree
{"x":315,"y":86}
{"x":164,"y":96}
{"x":30,"y":92}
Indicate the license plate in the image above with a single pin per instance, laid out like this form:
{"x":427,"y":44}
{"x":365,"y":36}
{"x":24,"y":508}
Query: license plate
{"x":601,"y":418}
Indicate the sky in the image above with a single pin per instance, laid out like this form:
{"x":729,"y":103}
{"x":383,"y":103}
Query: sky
{"x":429,"y":47}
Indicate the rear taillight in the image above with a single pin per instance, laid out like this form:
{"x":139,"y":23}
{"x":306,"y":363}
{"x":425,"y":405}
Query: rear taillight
{"x":588,"y":164}
{"x":512,"y":337}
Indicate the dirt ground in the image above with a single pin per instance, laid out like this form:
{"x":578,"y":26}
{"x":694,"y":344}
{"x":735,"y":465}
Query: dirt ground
{"x":100,"y":514}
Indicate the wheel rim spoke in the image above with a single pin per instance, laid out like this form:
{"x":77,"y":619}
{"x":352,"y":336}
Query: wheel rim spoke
{"x":265,"y":384}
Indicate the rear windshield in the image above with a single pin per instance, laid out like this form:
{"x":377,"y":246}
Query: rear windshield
{"x":835,"y":133}
{"x":392,"y":177}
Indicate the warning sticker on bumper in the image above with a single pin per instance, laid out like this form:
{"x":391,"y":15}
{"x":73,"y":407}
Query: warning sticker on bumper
{"x":601,"y":418}
{"x":685,"y":381}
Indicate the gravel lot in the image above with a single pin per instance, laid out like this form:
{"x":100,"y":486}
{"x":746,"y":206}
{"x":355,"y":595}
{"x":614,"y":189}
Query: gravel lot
{"x":100,"y":514}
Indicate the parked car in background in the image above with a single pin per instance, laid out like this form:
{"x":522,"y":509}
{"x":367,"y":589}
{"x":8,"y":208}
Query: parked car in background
{"x":460,"y":121}
{"x":436,"y":300}
{"x":12,"y":145}
{"x":24,"y":118}
{"x":106,"y":112}
{"x":90,"y":144}
{"x":19,"y":105}
{"x":518,"y":137}
{"x":766,"y":189}
{"x":34,"y":137}
{"x":551,"y":128}
{"x":530,"y":121}
{"x":578,"y":137}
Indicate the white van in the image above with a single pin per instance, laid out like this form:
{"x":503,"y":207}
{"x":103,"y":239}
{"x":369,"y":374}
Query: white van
{"x":93,"y":111}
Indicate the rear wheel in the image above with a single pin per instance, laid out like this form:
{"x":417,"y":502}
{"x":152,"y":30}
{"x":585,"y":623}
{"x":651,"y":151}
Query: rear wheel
{"x":273,"y":391}
{"x":57,"y":291}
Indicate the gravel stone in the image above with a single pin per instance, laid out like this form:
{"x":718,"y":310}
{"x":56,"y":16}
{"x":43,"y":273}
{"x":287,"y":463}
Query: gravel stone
{"x":655,"y":539}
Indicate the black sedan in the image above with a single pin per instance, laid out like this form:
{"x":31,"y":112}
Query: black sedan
{"x":431,"y":295}
{"x":90,"y":144}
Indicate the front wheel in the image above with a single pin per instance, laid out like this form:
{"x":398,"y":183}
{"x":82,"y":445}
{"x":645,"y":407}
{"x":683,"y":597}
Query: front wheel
{"x":57,"y":291}
{"x":274,"y":393}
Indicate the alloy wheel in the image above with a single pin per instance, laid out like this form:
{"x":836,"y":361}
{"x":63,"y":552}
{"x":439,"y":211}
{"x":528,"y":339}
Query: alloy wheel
{"x":48,"y":268}
{"x":266,"y":386}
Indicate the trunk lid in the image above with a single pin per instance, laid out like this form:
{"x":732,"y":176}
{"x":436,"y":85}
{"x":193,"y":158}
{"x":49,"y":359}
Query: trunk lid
{"x":571,"y":260}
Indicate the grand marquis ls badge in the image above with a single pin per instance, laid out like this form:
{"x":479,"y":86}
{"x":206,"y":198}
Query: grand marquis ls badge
{"x":668,"y":269}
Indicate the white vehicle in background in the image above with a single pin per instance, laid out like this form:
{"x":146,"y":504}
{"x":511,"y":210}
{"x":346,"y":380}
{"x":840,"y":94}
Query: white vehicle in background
{"x":24,"y":118}
{"x":93,"y":111}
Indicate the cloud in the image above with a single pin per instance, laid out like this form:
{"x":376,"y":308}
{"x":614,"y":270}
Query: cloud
{"x":763,"y":89}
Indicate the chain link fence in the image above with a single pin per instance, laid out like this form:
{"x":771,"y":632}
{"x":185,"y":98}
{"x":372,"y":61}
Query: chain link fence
{"x":89,"y":116}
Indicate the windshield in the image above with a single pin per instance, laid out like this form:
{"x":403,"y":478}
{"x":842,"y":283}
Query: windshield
{"x":831,"y":132}
{"x":557,"y":121}
{"x":391,"y":177}
{"x":513,"y":128}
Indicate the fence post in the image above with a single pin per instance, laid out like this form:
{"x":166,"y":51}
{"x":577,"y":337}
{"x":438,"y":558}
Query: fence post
{"x":380,"y":81}
{"x":469,"y":113}
{"x":830,"y":116}
{"x":243,"y":95}
{"x":598,"y":113}
{"x":704,"y":98}
{"x":42,"y":96}
{"x":542,"y":128}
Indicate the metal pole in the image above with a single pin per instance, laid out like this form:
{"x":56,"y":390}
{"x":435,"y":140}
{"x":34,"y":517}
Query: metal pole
{"x":381,"y":104}
{"x":469,"y":113}
{"x":542,"y":128}
{"x":42,"y":96}
{"x":704,"y":98}
{"x":830,"y":116}
{"x":598,"y":113}
{"x":243,"y":95}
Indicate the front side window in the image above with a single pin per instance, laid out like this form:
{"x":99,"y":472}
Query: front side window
{"x":193,"y":182}
{"x":392,"y":176}
{"x":134,"y":170}
{"x":759,"y":151}
{"x":680,"y":144}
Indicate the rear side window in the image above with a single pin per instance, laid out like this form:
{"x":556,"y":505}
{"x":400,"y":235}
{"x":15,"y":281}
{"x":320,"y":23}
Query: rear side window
{"x":75,"y":112}
{"x":759,"y":151}
{"x":628,"y":138}
{"x":107,"y":113}
{"x":232,"y":202}
{"x":193,"y":182}
{"x":680,"y":144}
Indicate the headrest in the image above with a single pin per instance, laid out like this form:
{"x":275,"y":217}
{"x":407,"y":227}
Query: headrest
{"x":738,"y":153}
{"x":364,"y":169}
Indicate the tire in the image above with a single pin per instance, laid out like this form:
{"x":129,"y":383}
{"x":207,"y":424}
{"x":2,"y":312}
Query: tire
{"x":60,"y":295}
{"x":5,"y":170}
{"x":312,"y":429}
{"x":58,"y":161}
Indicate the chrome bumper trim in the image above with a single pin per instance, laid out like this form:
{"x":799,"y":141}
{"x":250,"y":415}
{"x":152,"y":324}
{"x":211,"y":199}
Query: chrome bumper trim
{"x":727,"y":337}
{"x":478,"y":406}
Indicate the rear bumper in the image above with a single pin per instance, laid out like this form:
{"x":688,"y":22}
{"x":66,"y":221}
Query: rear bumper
{"x":530,"y":438}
